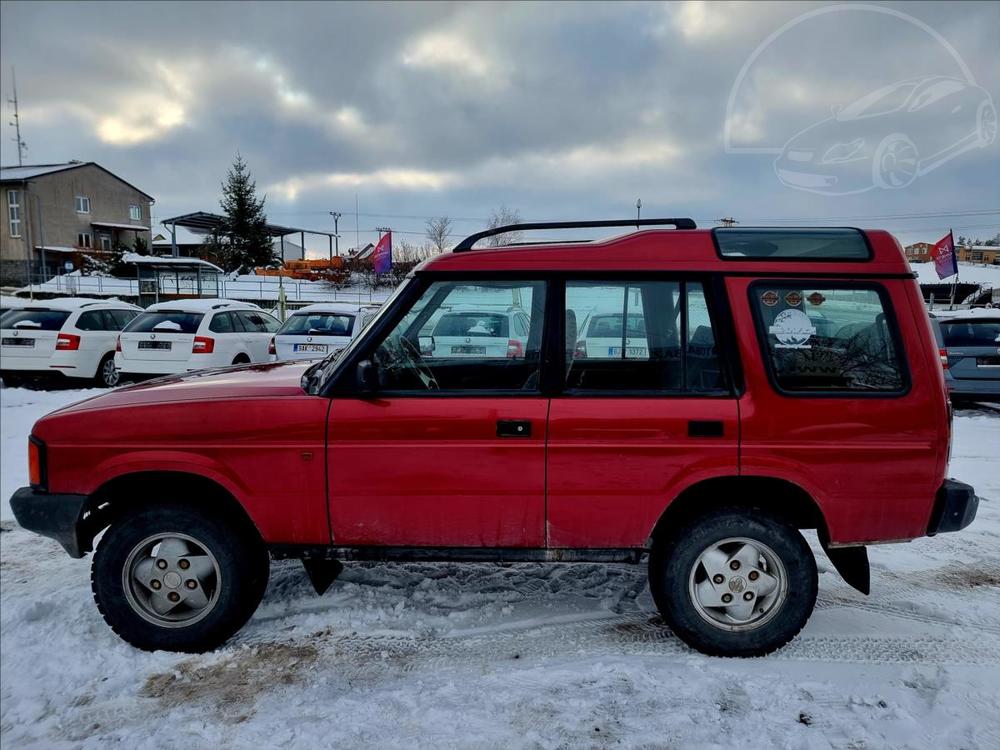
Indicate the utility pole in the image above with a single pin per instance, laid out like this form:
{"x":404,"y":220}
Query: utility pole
{"x":382,"y":230}
{"x":727,"y":221}
{"x":21,"y":145}
{"x":336,"y":231}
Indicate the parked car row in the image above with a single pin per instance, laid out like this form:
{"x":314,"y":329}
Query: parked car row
{"x":110,"y":341}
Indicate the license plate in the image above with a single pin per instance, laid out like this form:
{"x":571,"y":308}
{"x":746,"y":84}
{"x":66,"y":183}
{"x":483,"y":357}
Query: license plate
{"x":468,"y":350}
{"x":162,"y":345}
{"x":319,"y":348}
{"x":18,"y":342}
{"x":980,"y":361}
{"x":631,"y":351}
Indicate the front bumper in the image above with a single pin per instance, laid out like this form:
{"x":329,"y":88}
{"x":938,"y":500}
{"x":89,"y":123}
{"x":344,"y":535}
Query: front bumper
{"x":955,"y":507}
{"x":58,"y":517}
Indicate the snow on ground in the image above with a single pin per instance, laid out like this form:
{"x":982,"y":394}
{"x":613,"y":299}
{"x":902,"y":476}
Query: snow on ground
{"x":974,"y":273}
{"x":511,"y":656}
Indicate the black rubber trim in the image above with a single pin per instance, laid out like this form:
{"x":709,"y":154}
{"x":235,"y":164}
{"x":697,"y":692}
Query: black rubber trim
{"x":457,"y":554}
{"x":55,"y":516}
{"x":955,"y":507}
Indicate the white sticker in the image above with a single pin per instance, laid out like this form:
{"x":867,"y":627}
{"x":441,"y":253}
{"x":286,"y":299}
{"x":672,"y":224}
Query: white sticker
{"x":793,"y":329}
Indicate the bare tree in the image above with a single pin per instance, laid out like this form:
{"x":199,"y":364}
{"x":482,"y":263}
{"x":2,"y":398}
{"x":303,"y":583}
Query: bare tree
{"x":501,"y":217}
{"x":438,"y":230}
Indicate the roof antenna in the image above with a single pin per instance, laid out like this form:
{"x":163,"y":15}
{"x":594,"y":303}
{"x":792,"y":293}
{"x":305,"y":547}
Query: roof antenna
{"x":638,"y":211}
{"x":21,"y":145}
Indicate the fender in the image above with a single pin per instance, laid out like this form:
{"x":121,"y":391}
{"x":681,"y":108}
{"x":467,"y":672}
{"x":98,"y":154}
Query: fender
{"x":183,"y":462}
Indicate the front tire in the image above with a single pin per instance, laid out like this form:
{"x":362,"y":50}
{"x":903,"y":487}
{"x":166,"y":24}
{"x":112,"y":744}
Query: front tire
{"x":734,"y":582}
{"x":175,"y":578}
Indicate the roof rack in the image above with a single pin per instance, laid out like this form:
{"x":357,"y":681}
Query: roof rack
{"x":466,"y":244}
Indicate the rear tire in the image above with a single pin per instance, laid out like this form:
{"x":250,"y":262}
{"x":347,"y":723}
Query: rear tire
{"x":734,"y":582}
{"x":175,"y":578}
{"x":241,"y":359}
{"x":107,"y":375}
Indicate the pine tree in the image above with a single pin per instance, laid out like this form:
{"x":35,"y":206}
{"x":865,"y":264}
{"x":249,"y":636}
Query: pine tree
{"x":244,"y":243}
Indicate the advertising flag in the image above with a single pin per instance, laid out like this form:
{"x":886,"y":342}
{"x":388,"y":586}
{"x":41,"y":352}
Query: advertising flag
{"x":943,"y":255}
{"x":382,"y":258}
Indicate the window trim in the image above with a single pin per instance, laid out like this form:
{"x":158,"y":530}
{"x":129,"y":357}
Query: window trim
{"x":135,"y":215}
{"x":77,"y":203}
{"x":14,"y":204}
{"x":792,"y":259}
{"x":888,"y":309}
{"x":89,"y":244}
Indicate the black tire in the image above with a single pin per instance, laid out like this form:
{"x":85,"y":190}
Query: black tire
{"x":672,"y":563}
{"x":241,"y":359}
{"x":242,"y":564}
{"x":102,"y":377}
{"x":13,"y":381}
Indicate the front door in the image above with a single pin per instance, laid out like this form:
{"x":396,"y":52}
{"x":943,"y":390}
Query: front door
{"x":448,"y":450}
{"x":645,"y":410}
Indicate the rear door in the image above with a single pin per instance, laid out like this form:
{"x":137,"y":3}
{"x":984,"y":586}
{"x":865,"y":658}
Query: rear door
{"x":635,"y":423}
{"x":973,"y":346}
{"x":259,"y":328}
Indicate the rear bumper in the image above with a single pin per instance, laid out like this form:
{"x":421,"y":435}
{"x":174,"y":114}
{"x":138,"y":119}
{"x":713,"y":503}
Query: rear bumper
{"x":55,"y":516}
{"x":955,"y":507}
{"x":974,"y":388}
{"x":153,"y":366}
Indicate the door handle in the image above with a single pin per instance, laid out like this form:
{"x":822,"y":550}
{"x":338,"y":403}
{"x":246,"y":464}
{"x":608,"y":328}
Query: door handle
{"x":705,"y":428}
{"x":520,"y":428}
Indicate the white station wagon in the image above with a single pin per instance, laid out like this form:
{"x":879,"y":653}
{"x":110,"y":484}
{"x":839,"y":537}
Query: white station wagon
{"x":184,"y":335}
{"x":315,"y":331}
{"x":71,"y":337}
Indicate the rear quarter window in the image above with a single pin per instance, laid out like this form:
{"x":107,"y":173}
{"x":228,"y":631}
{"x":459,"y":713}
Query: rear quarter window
{"x":829,"y":339}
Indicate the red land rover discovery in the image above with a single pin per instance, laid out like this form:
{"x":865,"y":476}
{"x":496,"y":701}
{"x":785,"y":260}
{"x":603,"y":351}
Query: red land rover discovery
{"x":696,"y":395}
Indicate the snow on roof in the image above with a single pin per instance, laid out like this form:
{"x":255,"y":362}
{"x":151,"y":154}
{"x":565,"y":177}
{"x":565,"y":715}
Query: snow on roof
{"x":36,"y":170}
{"x":331,"y":307}
{"x":158,"y":260}
{"x":203,"y":305}
{"x":58,"y":248}
{"x":75,"y":303}
{"x":976,"y":313}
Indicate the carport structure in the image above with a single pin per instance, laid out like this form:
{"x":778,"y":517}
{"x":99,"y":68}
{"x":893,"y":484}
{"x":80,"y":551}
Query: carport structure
{"x":205,"y":224}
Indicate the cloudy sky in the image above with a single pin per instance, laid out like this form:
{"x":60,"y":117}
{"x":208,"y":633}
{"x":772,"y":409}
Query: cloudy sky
{"x":559,"y":110}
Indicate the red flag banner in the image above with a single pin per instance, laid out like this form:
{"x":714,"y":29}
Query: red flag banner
{"x":943,"y":255}
{"x":382,"y":258}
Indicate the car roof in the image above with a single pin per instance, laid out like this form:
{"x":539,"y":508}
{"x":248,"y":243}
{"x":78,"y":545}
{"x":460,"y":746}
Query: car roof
{"x":203,"y":305}
{"x":664,"y":250}
{"x":70,"y":304}
{"x":975,"y":314}
{"x":331,"y":307}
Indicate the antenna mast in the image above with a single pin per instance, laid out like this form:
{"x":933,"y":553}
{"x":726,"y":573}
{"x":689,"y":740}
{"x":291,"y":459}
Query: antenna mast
{"x":21,"y":145}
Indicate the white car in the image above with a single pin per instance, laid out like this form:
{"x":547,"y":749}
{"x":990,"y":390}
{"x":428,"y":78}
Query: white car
{"x":315,"y":331}
{"x":460,"y":332}
{"x":602,"y":337}
{"x":177,"y":337}
{"x":73,"y":337}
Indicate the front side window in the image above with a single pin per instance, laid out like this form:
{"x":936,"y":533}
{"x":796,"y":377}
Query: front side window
{"x":829,"y":339}
{"x":82,"y":204}
{"x":258,"y":322}
{"x":221,"y":323}
{"x":627,"y":336}
{"x":92,"y":320}
{"x":458,"y":337}
{"x":14,"y":212}
{"x":135,"y":212}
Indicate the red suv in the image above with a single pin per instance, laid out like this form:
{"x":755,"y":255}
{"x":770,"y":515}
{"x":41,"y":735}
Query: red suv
{"x":698,"y":396}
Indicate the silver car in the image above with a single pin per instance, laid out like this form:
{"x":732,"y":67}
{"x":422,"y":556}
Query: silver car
{"x":969,"y":341}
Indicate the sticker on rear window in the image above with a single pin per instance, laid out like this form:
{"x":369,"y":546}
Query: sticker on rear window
{"x":816,"y":299}
{"x":793,"y":329}
{"x":770,"y":298}
{"x":793,"y":299}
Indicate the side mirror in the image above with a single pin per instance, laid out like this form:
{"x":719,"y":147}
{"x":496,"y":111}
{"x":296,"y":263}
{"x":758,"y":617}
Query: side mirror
{"x":367,"y":376}
{"x":426,"y":345}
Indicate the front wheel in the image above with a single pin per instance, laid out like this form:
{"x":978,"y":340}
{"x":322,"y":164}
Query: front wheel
{"x":734,"y":582}
{"x":172,"y":577}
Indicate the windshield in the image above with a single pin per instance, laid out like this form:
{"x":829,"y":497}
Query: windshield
{"x":318,"y":324}
{"x":167,"y":322}
{"x":35,"y":320}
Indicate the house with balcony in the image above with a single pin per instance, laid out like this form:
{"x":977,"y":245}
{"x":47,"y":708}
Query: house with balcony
{"x":53,"y":214}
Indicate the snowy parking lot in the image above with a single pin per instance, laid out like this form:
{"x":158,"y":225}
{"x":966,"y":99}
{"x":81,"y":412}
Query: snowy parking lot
{"x":504,"y":656}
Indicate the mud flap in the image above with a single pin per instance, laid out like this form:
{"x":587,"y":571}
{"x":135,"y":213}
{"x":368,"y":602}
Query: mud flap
{"x":852,"y":564}
{"x":322,"y":572}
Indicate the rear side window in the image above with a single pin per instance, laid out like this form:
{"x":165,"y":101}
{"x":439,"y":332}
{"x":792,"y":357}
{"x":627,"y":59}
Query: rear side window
{"x":165,"y":322}
{"x":791,"y":244}
{"x":829,"y":338}
{"x":640,"y":336}
{"x":971,"y":332}
{"x":35,"y":320}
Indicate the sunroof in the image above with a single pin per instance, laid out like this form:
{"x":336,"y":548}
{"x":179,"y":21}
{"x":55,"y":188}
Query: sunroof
{"x":791,"y":244}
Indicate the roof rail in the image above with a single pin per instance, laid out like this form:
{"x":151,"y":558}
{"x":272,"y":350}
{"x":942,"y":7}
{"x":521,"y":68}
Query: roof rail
{"x":466,"y":244}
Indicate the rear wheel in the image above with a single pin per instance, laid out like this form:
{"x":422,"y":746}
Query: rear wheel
{"x":241,"y":359}
{"x":175,"y":578}
{"x":107,"y":374}
{"x":734,"y":582}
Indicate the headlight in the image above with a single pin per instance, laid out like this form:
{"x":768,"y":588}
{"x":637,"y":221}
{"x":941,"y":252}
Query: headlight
{"x":844,"y":151}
